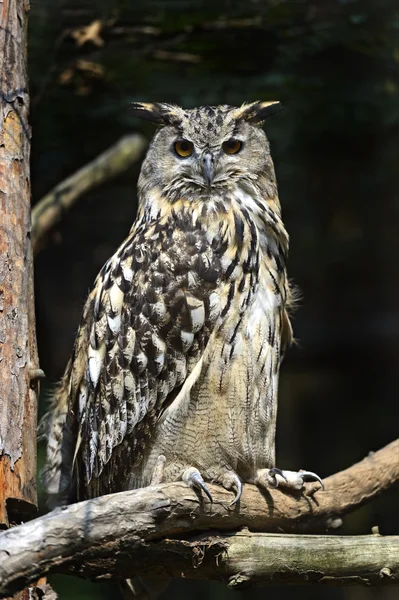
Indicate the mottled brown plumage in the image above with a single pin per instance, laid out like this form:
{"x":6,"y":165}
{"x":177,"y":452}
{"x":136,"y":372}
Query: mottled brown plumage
{"x":174,"y":373}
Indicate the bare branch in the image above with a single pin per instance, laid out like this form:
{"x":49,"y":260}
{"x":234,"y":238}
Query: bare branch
{"x":115,"y":535}
{"x":183,"y":57}
{"x":109,"y":164}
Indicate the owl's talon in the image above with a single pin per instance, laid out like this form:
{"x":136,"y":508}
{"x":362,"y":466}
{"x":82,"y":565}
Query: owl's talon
{"x":272,"y":475}
{"x":289,"y":479}
{"x":310,"y":476}
{"x":232,"y":481}
{"x":195,"y":481}
{"x":238,"y":492}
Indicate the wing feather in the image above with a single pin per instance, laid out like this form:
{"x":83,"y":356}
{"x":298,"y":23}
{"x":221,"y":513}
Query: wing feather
{"x":144,"y":327}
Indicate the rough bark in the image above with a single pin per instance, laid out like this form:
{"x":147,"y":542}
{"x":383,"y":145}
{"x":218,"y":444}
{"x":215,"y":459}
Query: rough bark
{"x":51,"y":209}
{"x":240,"y":559}
{"x":137,"y":531}
{"x":18,"y":352}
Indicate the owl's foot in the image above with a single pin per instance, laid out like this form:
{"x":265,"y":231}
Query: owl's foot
{"x":293,"y":480}
{"x":194,"y":480}
{"x":231,"y":481}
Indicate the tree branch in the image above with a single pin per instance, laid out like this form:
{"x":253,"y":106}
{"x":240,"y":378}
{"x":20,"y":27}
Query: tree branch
{"x":50,"y":209}
{"x":130,"y":532}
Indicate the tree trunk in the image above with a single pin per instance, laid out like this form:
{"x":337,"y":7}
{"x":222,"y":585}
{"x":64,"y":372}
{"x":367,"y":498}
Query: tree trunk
{"x":18,"y":352}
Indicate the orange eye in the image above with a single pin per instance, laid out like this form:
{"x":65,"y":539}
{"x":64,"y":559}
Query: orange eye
{"x":232,"y":146}
{"x":184,"y":148}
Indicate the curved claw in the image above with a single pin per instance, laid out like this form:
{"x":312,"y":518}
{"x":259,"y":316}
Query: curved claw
{"x":310,"y":476}
{"x":272,"y":475}
{"x":238,"y":484}
{"x":199,"y":483}
{"x":275,"y":471}
{"x":194,"y":479}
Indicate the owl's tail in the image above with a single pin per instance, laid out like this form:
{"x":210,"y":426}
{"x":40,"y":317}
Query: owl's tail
{"x":56,"y":428}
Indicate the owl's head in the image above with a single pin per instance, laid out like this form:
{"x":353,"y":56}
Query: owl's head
{"x":205,"y":149}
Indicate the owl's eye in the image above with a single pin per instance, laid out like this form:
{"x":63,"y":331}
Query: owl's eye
{"x":184,"y":148}
{"x":232,"y":146}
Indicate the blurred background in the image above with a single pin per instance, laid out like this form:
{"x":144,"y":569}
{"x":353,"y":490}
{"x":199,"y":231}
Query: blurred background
{"x":334,"y":64}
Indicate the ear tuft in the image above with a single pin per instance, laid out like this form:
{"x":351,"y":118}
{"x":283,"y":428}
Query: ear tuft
{"x":159,"y":113}
{"x":150,"y":111}
{"x":258,"y":111}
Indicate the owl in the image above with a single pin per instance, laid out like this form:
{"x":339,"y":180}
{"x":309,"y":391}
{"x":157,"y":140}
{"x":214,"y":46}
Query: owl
{"x":174,"y":372}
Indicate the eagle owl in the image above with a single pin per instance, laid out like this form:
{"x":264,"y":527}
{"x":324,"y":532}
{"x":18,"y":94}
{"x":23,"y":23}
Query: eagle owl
{"x":174,"y":372}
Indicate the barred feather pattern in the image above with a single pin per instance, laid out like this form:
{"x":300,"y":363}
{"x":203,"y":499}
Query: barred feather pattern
{"x":180,"y":343}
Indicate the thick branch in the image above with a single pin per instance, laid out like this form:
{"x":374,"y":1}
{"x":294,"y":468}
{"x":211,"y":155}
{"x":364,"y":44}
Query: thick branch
{"x":115,"y":535}
{"x":243,"y":558}
{"x":50,"y":210}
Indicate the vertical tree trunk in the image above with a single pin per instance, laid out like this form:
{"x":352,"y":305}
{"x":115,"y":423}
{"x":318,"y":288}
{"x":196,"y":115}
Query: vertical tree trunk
{"x":18,"y":352}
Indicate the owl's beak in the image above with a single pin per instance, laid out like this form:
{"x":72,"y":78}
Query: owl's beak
{"x":207,"y":166}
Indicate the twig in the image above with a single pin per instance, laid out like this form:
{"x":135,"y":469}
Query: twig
{"x":109,"y":164}
{"x":183,"y":57}
{"x":115,"y":535}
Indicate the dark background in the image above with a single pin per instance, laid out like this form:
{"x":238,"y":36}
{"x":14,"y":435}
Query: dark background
{"x":334,"y":65}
